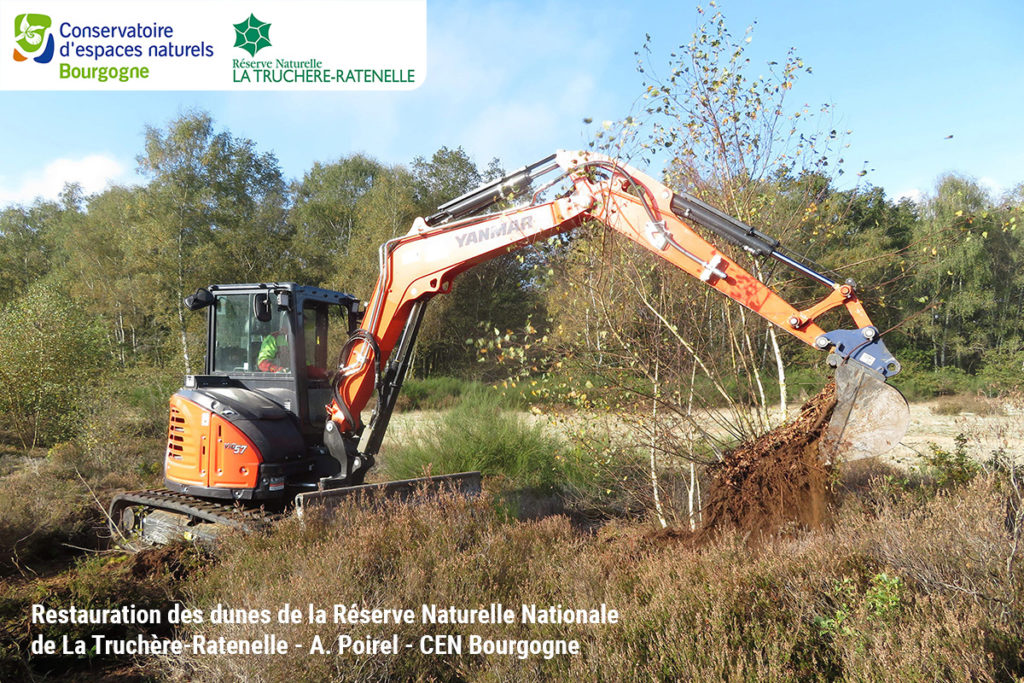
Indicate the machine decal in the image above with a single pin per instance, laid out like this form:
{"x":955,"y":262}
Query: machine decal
{"x":514,"y":226}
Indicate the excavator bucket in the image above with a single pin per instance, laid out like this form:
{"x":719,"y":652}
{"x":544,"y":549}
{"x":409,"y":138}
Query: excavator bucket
{"x":869,"y":419}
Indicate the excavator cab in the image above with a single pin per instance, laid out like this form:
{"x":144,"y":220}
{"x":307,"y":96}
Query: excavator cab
{"x":251,"y":426}
{"x":274,"y":338}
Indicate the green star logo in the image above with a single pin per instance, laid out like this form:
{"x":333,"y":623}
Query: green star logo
{"x":252,"y":35}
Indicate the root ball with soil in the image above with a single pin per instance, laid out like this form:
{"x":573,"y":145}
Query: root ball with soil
{"x":776,"y":481}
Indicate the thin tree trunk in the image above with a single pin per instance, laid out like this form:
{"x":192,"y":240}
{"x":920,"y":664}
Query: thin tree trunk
{"x":781,"y":368}
{"x":779,"y":365}
{"x":654,"y":444}
{"x":181,"y":305}
{"x":753,"y":368}
{"x":694,"y":497}
{"x":693,"y":490}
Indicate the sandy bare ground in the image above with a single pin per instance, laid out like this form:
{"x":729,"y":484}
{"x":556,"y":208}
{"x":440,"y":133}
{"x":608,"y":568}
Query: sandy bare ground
{"x":1002,"y":430}
{"x":985,"y":433}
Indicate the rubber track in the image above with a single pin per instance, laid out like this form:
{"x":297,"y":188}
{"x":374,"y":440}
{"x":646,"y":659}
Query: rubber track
{"x":207,"y":511}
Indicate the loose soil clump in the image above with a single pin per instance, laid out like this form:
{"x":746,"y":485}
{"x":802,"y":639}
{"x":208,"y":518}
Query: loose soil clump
{"x":777,"y":481}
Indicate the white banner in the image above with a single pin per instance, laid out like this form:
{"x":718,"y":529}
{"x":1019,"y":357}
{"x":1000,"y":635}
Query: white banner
{"x":213,"y":45}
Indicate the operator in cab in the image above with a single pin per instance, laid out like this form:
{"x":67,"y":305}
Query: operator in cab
{"x":274,"y":351}
{"x":273,"y":356}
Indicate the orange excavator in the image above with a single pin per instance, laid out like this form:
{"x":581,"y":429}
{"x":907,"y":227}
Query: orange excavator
{"x":252,"y":431}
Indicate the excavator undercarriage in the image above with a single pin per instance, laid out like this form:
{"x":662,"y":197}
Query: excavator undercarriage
{"x":161,"y":516}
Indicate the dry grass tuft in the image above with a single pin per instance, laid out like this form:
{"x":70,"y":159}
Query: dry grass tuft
{"x":966,"y":403}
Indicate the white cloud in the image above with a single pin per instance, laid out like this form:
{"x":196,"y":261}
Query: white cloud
{"x":915,"y":195}
{"x":94,"y":173}
{"x":994,"y":187}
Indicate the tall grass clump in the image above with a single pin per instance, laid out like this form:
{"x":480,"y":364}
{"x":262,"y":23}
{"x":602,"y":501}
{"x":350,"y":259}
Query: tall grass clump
{"x":434,"y":393}
{"x":479,"y":434}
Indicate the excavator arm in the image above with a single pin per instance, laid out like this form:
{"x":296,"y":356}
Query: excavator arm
{"x":424,"y":262}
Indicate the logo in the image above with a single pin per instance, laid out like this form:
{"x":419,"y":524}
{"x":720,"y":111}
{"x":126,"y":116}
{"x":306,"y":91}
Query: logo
{"x":33,"y":38}
{"x":252,"y":35}
{"x":512,"y":227}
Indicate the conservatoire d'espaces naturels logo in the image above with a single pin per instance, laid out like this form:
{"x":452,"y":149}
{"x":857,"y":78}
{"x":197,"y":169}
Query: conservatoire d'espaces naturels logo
{"x":33,"y":38}
{"x":252,"y":35}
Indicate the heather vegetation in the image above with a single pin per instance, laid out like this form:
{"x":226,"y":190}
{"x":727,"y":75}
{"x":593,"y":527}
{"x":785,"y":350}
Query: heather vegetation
{"x":913,"y":583}
{"x":911,"y":580}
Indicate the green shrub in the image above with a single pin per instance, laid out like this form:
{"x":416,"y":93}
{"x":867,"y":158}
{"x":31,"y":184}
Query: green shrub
{"x":146,"y":391}
{"x":951,"y":468}
{"x":125,"y":427}
{"x":918,"y":382}
{"x":1002,"y":371}
{"x":884,"y":596}
{"x":50,"y":354}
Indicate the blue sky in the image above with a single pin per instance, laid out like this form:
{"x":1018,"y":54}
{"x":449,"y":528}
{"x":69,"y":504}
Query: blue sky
{"x":515,"y":80}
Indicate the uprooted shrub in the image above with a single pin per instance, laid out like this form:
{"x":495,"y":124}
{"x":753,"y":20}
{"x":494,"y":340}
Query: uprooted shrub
{"x":775,"y":480}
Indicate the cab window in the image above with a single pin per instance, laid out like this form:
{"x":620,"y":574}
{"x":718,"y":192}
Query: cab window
{"x":319,"y":321}
{"x":240,"y":339}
